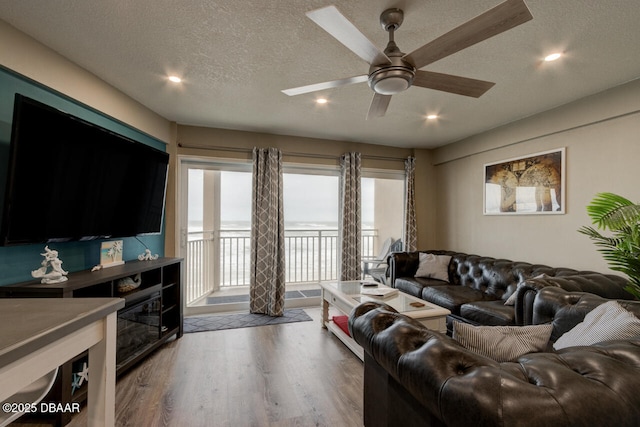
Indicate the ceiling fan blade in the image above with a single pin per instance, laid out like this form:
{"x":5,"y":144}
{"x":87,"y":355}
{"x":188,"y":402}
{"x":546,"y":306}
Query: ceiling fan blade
{"x":501,"y":18}
{"x":378,"y":106}
{"x":452,"y":84}
{"x":326,"y":85}
{"x":334,"y":23}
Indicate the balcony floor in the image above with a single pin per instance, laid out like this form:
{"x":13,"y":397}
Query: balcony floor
{"x":236,"y":299}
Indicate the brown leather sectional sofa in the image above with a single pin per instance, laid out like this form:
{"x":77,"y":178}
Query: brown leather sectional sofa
{"x":417,"y":377}
{"x":478,"y":286}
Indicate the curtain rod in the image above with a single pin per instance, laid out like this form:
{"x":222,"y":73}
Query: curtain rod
{"x":288,"y":153}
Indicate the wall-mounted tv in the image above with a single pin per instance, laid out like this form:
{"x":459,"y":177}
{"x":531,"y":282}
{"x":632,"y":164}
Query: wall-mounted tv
{"x":69,"y":179}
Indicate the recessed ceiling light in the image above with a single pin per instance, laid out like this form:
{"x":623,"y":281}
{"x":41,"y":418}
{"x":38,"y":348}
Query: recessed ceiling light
{"x":175,"y":79}
{"x":321,"y":101}
{"x":552,"y":57}
{"x":432,"y":116}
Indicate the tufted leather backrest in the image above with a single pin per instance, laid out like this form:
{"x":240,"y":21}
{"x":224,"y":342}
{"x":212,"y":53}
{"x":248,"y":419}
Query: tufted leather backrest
{"x":493,"y":276}
{"x":501,"y":277}
{"x":489,"y":275}
{"x":604,"y":285}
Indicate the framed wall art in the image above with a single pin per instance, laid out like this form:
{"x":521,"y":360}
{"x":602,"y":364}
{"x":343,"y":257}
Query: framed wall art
{"x":534,"y":184}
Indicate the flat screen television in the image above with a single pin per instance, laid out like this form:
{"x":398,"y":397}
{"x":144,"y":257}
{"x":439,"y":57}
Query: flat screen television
{"x":71,"y":180}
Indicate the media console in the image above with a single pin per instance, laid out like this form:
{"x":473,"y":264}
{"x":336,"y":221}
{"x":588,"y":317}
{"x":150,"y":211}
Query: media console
{"x":152,"y":315}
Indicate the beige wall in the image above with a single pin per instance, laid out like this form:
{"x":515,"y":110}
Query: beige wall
{"x":600,"y":134}
{"x":30,"y":58}
{"x":230,"y":144}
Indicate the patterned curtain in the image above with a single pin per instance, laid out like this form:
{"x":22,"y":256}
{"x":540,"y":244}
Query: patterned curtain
{"x":350,"y":229}
{"x":267,"y":281}
{"x":410,"y":227}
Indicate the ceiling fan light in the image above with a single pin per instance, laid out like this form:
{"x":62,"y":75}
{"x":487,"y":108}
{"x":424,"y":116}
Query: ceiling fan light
{"x":391,"y":85}
{"x":390,"y":80}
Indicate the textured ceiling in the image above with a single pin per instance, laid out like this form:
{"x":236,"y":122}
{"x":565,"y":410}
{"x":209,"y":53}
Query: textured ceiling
{"x":236,"y":56}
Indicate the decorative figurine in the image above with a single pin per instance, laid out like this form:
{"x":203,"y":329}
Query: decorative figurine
{"x":57,"y":274}
{"x":127,"y":284}
{"x":146,"y":256}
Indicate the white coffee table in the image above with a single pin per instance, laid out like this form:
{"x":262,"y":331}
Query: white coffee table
{"x":345,"y":295}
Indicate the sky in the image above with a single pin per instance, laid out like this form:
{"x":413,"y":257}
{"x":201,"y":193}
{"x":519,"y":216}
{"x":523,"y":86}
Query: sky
{"x":307,"y":198}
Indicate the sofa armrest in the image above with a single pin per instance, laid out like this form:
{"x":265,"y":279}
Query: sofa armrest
{"x":595,"y":385}
{"x":526,"y":293}
{"x":402,"y":264}
{"x":566,"y":309}
{"x":604,"y":285}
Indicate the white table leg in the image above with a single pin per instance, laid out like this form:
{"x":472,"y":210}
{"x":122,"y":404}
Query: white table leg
{"x":325,"y":310}
{"x":102,"y":376}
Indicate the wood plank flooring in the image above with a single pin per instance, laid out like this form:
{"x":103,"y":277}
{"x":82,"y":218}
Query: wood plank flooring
{"x":294,"y":374}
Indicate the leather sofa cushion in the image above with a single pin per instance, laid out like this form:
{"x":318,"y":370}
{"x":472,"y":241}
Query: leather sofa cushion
{"x":415,"y":285}
{"x":452,"y":297}
{"x":490,"y":313}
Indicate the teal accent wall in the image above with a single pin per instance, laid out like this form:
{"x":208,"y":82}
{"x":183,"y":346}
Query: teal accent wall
{"x":17,"y":262}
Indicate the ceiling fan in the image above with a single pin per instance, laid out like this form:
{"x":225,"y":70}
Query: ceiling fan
{"x":392,"y":71}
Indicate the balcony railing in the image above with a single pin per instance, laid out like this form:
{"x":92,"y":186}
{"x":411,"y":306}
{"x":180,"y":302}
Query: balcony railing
{"x":222,"y":258}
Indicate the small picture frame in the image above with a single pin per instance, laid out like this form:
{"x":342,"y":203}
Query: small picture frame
{"x":111,"y":253}
{"x":528,"y":185}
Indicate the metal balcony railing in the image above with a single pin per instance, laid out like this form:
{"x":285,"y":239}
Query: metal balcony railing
{"x":222,"y":258}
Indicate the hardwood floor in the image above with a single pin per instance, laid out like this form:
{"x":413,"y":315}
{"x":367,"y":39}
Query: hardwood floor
{"x":294,"y":374}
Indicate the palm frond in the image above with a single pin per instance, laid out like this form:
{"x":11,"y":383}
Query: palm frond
{"x":633,"y":289}
{"x":608,"y":210}
{"x":621,"y":249}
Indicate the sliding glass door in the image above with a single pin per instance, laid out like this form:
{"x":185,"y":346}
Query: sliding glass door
{"x":311,"y":226}
{"x":215,"y":221}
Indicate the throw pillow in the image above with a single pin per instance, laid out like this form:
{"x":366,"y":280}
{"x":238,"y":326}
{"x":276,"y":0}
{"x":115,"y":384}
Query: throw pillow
{"x":512,"y":299}
{"x":502,"y":343}
{"x":608,"y":321}
{"x":434,"y":266}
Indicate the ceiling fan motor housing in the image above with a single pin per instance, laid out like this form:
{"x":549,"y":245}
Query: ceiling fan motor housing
{"x":394,"y":78}
{"x":390,"y":79}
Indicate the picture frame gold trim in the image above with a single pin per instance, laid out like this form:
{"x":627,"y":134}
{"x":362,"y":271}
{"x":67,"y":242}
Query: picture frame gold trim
{"x":527,"y":185}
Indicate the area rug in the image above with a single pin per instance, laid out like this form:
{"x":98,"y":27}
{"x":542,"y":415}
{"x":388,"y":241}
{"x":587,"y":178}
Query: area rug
{"x":241,"y":320}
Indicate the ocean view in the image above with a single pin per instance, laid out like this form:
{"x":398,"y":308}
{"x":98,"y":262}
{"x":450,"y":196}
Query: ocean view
{"x":196,"y":226}
{"x":311,"y":250}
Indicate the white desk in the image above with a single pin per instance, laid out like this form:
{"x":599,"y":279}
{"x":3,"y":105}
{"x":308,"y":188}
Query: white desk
{"x":39,"y":334}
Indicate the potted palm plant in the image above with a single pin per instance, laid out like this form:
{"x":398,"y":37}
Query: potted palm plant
{"x":621,"y":246}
